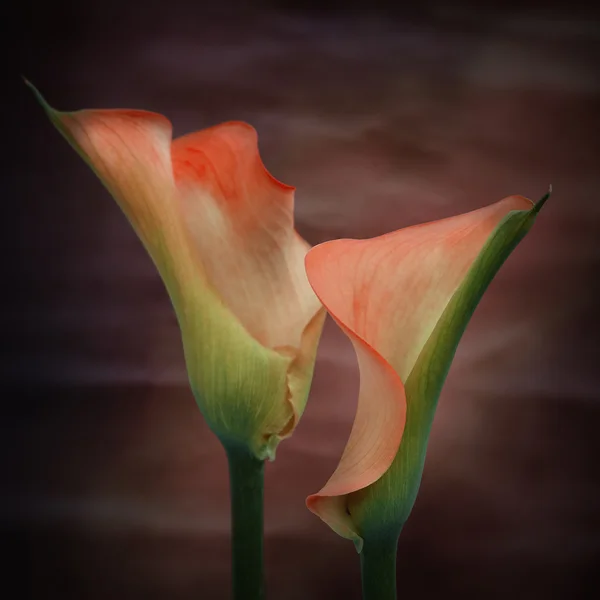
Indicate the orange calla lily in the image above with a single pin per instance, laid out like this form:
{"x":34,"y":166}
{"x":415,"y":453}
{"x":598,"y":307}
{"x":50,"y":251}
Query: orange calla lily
{"x":220,"y":230}
{"x":404,"y":300}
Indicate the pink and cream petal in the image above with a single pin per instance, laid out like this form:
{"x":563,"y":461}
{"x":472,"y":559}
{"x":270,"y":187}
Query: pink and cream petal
{"x":206,"y":205}
{"x":220,"y":230}
{"x":130,"y":152}
{"x":376,"y":432}
{"x":301,"y":368}
{"x":241,"y":220}
{"x":387,"y":294}
{"x":391,"y":290}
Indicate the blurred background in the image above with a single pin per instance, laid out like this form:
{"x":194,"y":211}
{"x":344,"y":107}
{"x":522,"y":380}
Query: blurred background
{"x":382,"y":116}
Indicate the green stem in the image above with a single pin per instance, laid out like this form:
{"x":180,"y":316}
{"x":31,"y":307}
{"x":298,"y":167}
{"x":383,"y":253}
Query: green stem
{"x":246,"y":477}
{"x":378,"y":568}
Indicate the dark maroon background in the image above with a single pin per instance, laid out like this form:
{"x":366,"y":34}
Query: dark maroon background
{"x":112,"y":485}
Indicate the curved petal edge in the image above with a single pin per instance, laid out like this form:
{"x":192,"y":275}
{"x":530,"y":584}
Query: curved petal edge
{"x":375,"y":436}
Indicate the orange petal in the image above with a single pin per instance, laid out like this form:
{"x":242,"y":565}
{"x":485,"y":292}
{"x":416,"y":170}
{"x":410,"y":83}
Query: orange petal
{"x":241,"y":220}
{"x":205,"y":207}
{"x":391,"y":290}
{"x":220,"y":230}
{"x":373,"y":442}
{"x":130,"y":151}
{"x":387,"y":294}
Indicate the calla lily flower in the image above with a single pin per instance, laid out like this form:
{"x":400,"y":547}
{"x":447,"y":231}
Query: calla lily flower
{"x":220,"y":230}
{"x":404,"y":300}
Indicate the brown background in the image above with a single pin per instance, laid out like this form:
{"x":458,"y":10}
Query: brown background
{"x":112,"y":486}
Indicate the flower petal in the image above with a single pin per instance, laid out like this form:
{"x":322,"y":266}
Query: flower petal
{"x":242,"y":222}
{"x":407,"y":296}
{"x":301,"y":369}
{"x":213,"y":185}
{"x":391,"y":290}
{"x":373,"y":442}
{"x":130,"y":151}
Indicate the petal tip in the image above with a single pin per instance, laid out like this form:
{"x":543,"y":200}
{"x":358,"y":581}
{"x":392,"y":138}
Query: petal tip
{"x":38,"y":96}
{"x":311,"y":502}
{"x":538,"y":205}
{"x":332,"y":511}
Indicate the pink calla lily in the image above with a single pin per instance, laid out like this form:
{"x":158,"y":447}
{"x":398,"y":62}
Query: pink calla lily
{"x":220,"y":230}
{"x":404,"y":300}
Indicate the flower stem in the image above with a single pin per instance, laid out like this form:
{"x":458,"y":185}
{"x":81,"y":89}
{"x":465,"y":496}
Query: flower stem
{"x":246,"y":480}
{"x":378,"y":568}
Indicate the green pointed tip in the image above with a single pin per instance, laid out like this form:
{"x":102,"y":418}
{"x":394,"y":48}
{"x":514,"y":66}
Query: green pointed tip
{"x":38,"y":96}
{"x":35,"y":91}
{"x":542,"y":201}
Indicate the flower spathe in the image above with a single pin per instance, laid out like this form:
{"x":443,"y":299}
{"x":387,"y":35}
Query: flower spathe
{"x":220,"y":230}
{"x":404,"y":300}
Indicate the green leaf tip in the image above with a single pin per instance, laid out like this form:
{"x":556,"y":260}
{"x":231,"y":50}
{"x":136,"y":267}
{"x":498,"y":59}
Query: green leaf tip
{"x":38,"y":96}
{"x":542,"y":200}
{"x":35,"y":91}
